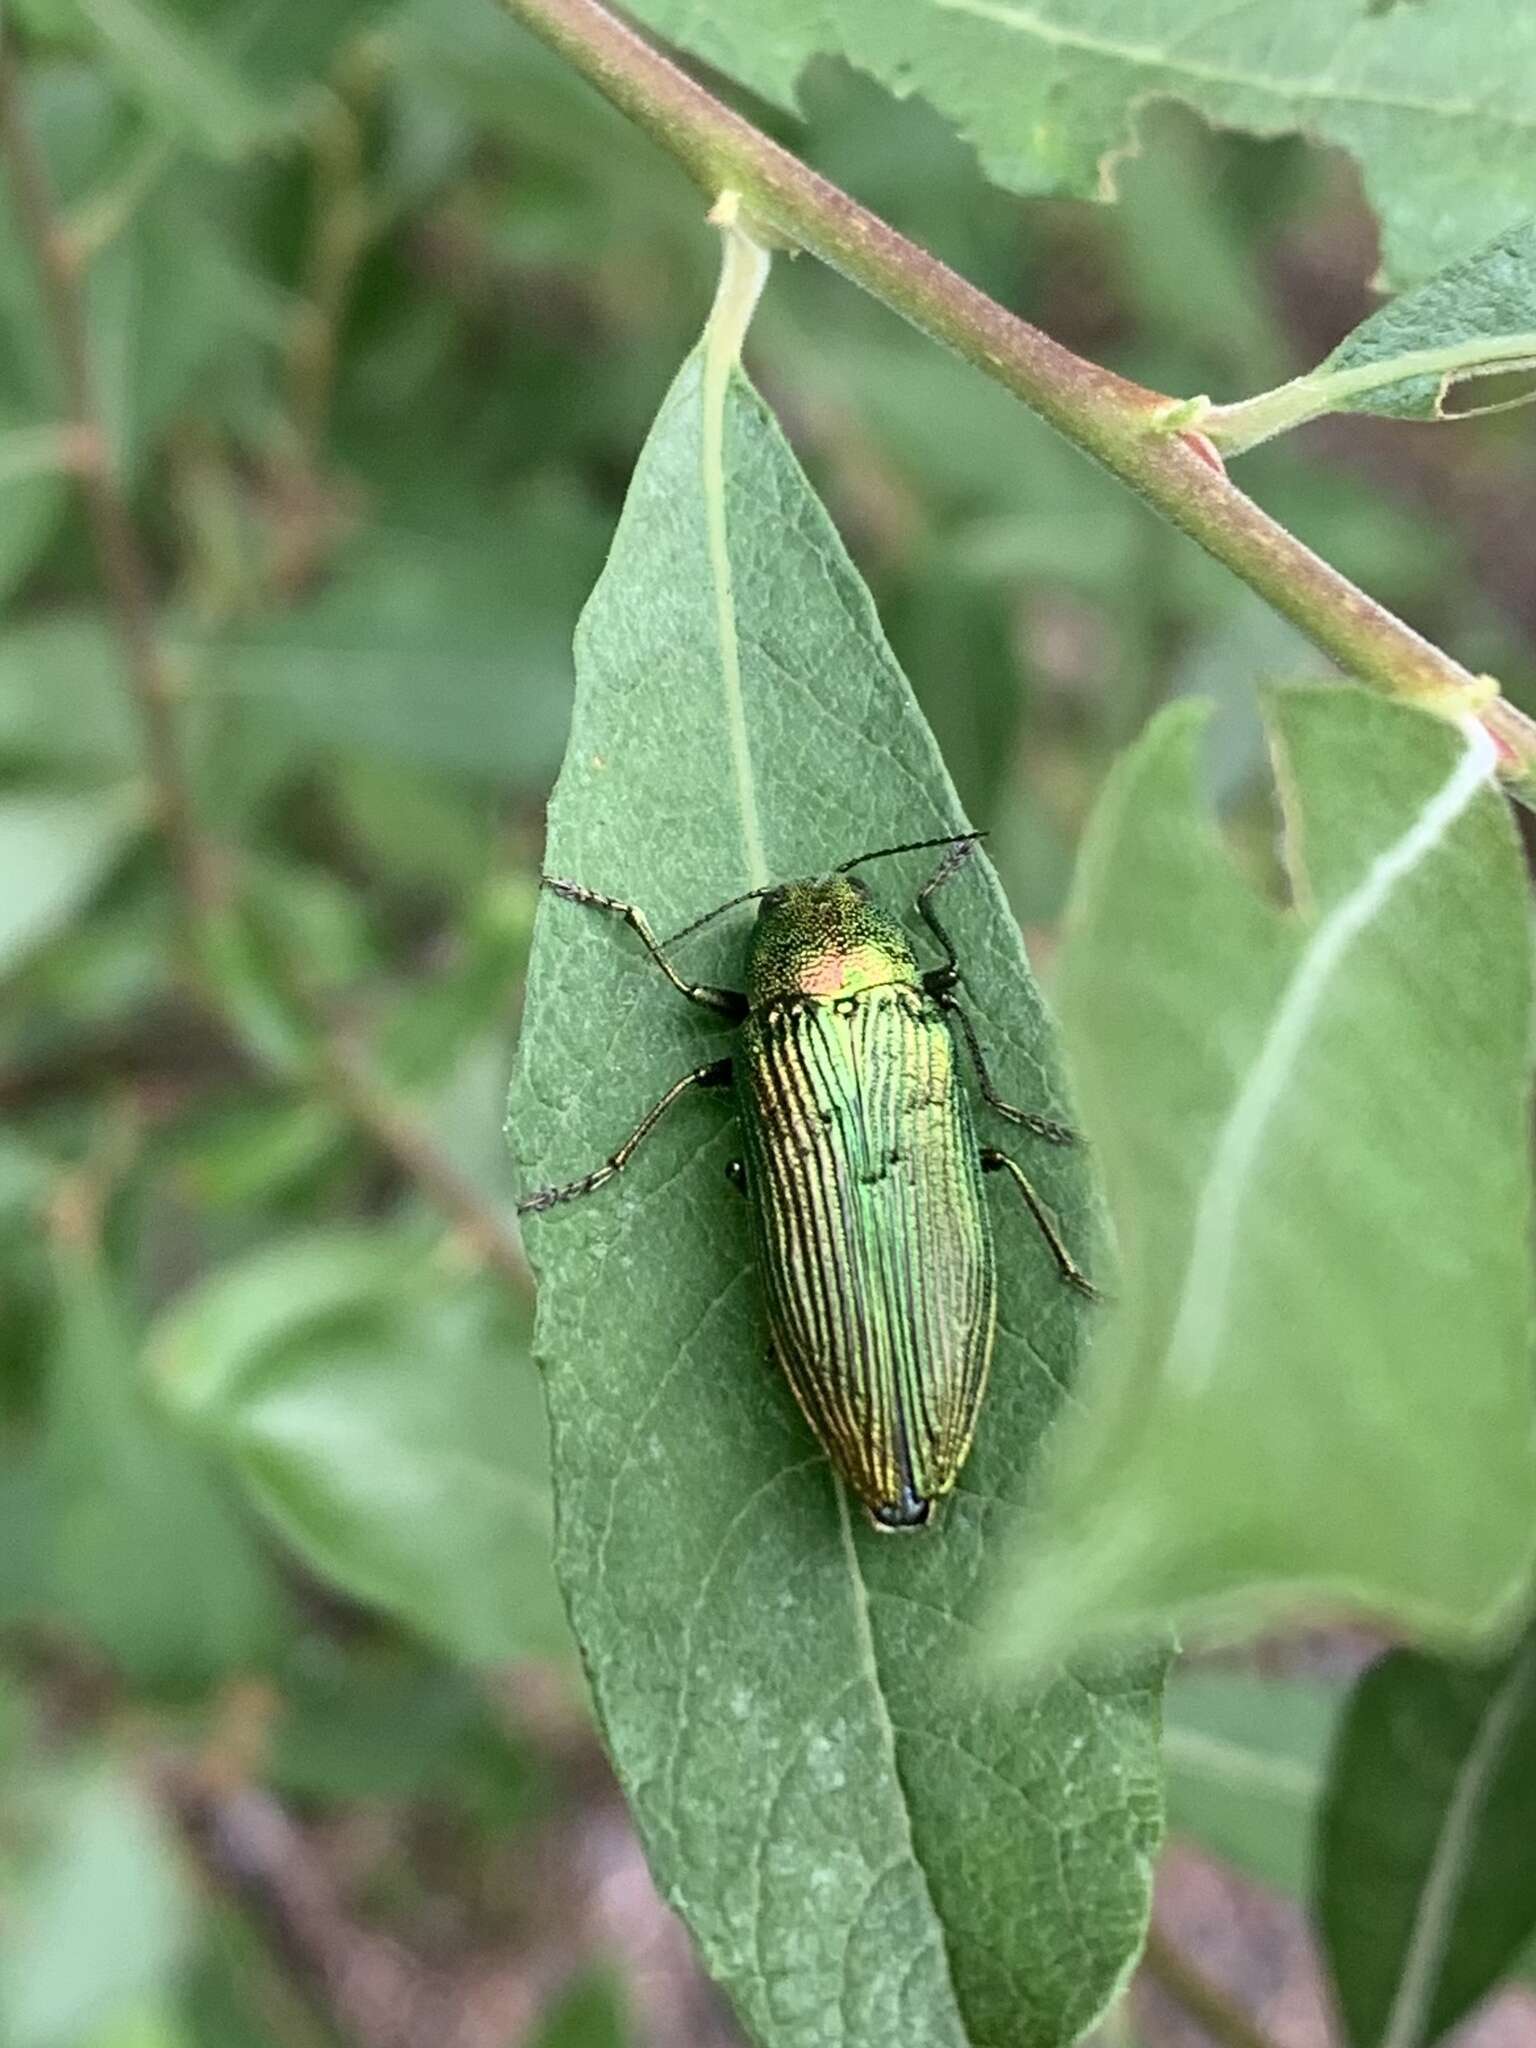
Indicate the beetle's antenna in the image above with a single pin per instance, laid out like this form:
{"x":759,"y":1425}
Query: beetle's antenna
{"x":966,"y":839}
{"x":746,"y":896}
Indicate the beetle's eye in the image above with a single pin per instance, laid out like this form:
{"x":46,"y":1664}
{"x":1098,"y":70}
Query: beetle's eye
{"x":859,"y":886}
{"x":771,"y":900}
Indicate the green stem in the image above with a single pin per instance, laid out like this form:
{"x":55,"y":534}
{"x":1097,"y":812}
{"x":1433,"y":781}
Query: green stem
{"x":1243,"y":425}
{"x":1120,"y":423}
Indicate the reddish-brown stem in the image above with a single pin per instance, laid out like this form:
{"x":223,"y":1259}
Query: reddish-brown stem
{"x":1131,"y":430}
{"x":204,"y":879}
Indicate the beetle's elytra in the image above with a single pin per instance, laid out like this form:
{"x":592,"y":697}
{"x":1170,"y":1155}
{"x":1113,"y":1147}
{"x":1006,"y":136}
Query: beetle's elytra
{"x":864,"y":1172}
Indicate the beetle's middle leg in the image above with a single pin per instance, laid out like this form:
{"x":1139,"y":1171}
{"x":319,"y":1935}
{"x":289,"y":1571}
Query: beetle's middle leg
{"x":715,"y":1074}
{"x":994,"y":1161}
{"x":1029,"y":1119}
{"x":728,"y":1002}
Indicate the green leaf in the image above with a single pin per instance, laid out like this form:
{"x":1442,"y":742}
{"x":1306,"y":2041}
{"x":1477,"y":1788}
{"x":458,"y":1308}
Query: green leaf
{"x":371,"y":1722}
{"x":32,"y":495}
{"x":389,"y":1429}
{"x":866,"y":1846}
{"x":149,"y":1559}
{"x":55,"y":850}
{"x":175,"y":310}
{"x":590,"y":2015}
{"x":97,"y":1916}
{"x":447,"y":649}
{"x":1435,"y":103}
{"x":219,"y":74}
{"x":1245,"y":1757}
{"x":179,"y":77}
{"x":63,"y":708}
{"x":1312,"y":1124}
{"x":1477,"y":318}
{"x":1426,"y":1888}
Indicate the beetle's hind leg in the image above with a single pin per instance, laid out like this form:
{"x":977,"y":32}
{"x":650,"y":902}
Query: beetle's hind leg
{"x":727,"y":1002}
{"x":994,"y":1161}
{"x":715,"y":1074}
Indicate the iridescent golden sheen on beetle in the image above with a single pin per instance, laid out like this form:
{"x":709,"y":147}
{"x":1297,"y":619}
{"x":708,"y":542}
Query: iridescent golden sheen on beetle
{"x":864,"y":1170}
{"x":872,"y":1231}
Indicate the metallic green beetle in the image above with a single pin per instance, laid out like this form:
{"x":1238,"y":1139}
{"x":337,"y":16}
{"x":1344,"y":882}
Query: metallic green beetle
{"x":864,"y":1172}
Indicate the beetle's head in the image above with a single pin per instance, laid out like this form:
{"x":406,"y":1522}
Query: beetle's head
{"x":824,"y":936}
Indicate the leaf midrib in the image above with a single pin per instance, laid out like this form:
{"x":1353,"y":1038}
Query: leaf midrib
{"x":1029,"y":22}
{"x":720,"y":350}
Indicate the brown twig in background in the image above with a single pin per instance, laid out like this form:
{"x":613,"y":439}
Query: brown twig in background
{"x":362,"y":1984}
{"x":205,"y":882}
{"x":399,"y":1133}
{"x":123,"y":569}
{"x":1227,"y":2023}
{"x":339,"y":235}
{"x":1136,"y":434}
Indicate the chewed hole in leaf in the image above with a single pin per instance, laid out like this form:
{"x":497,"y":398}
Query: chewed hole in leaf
{"x":1507,"y":388}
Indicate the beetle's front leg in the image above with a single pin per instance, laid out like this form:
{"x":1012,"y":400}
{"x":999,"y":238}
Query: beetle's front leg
{"x":715,"y":1074}
{"x":726,"y":1002}
{"x":940,"y":980}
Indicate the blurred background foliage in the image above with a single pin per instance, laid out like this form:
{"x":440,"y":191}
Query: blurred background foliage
{"x":380,"y":303}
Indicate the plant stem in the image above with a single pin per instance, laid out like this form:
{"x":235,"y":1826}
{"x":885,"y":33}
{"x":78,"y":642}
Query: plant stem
{"x":205,"y":882}
{"x":1128,"y":428}
{"x":202,"y":884}
{"x":1204,"y":2000}
{"x":1244,"y":424}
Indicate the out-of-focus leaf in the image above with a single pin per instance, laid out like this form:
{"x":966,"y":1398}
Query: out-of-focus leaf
{"x":1433,"y":104}
{"x":32,"y":495}
{"x":448,"y":649}
{"x":70,"y":112}
{"x":591,"y":2015}
{"x":1228,"y":659}
{"x":173,"y":308}
{"x":63,"y":706}
{"x":1426,"y":1880}
{"x":374,"y":1724}
{"x":1312,"y":1125}
{"x":96,"y":1912}
{"x":1246,"y":1757}
{"x":389,"y":1429}
{"x":788,"y":1695}
{"x":149,"y":1559}
{"x":55,"y":850}
{"x":222,"y":75}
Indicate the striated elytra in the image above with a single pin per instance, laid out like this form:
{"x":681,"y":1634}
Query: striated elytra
{"x":864,"y":1172}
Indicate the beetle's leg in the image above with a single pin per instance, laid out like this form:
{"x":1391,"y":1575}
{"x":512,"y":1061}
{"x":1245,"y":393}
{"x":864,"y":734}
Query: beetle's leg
{"x":1030,"y":1120}
{"x":994,"y":1161}
{"x":940,"y":980}
{"x":727,"y":1001}
{"x":716,"y":1074}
